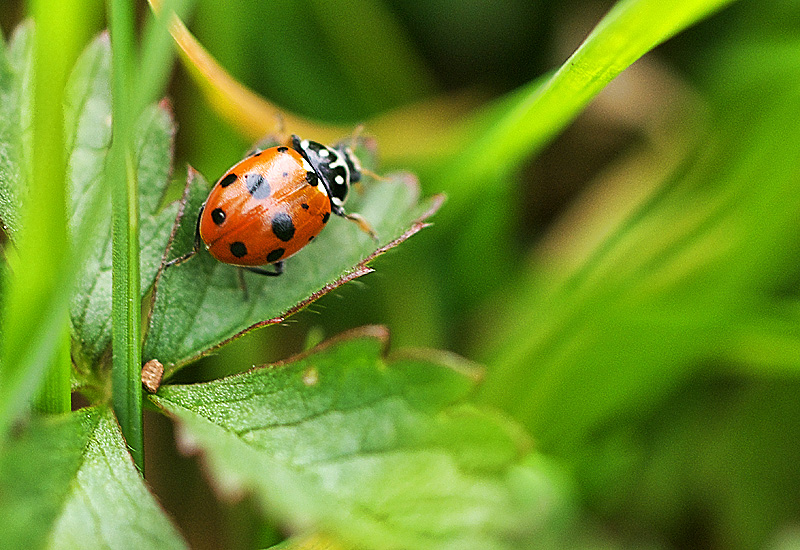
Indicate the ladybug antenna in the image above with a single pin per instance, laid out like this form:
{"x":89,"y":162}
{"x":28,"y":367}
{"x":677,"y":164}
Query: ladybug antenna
{"x":280,"y":130}
{"x":358,"y":131}
{"x":352,"y":160}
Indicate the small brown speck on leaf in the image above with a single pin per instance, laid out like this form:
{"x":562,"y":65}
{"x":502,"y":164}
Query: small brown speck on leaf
{"x":152,"y":372}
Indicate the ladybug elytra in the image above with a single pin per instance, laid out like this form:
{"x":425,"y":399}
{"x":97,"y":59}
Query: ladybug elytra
{"x":274,"y":202}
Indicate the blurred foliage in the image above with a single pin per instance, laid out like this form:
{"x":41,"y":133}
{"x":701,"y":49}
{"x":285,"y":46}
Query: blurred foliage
{"x":633,"y":288}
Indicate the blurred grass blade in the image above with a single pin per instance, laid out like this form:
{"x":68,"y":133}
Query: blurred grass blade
{"x":670,"y":284}
{"x":316,"y":541}
{"x":253,"y":115}
{"x":768,"y":343}
{"x":156,"y":59}
{"x":420,"y":129}
{"x":521,"y":124}
{"x":41,"y":267}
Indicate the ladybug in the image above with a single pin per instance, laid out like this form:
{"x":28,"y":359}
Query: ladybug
{"x":270,"y":205}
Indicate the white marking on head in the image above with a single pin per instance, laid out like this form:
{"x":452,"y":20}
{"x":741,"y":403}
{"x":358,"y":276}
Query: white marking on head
{"x":324,"y":152}
{"x":339,"y":179}
{"x":353,"y":159}
{"x":340,"y":163}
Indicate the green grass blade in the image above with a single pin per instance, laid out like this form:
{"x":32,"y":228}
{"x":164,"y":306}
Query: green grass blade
{"x":671,"y":285}
{"x":36,"y":304}
{"x":55,"y":395}
{"x":523,"y":123}
{"x":156,"y":61}
{"x":126,"y":309}
{"x":150,"y":73}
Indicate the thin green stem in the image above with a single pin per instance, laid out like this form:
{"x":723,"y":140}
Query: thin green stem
{"x":151,"y":73}
{"x":126,"y":300}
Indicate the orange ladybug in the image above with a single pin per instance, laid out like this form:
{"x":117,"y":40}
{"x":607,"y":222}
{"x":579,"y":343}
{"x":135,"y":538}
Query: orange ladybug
{"x":274,"y":202}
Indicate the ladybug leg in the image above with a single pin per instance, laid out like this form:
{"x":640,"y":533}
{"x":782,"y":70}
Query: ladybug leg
{"x":242,"y":283}
{"x":373,"y":175}
{"x":359,"y":220}
{"x":195,"y":248}
{"x":261,"y":271}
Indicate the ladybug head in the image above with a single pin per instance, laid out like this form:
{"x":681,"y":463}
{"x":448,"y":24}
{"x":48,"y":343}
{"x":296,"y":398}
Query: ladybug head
{"x":336,"y":166}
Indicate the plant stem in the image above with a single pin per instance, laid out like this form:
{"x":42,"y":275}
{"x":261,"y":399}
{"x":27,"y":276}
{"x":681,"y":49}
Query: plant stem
{"x":126,"y":294}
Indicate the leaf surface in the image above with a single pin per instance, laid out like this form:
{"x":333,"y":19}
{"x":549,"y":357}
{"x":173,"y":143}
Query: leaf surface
{"x":88,"y":124}
{"x":202,"y":304}
{"x":15,"y":63}
{"x":381,"y":452}
{"x":69,"y":482}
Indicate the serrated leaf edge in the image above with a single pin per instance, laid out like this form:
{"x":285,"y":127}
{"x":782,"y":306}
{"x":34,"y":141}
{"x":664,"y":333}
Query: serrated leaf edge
{"x":357,"y":271}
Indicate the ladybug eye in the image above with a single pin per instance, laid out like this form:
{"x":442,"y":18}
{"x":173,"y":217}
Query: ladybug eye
{"x":218,"y":216}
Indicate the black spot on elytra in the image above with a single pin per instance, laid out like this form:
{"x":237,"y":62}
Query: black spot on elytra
{"x":275,"y":255}
{"x":326,"y":217}
{"x":257,"y":185}
{"x":227,"y":180}
{"x":282,"y":226}
{"x":305,"y":206}
{"x":311,"y":238}
{"x":312,"y":179}
{"x":218,"y":216}
{"x":238,"y":249}
{"x":282,"y":150}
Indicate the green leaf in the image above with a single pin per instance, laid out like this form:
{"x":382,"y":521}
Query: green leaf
{"x":312,"y":542}
{"x":380,"y":452}
{"x":15,"y":65}
{"x":88,"y":115}
{"x":69,"y":482}
{"x":201,"y":304}
{"x":20,"y":55}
